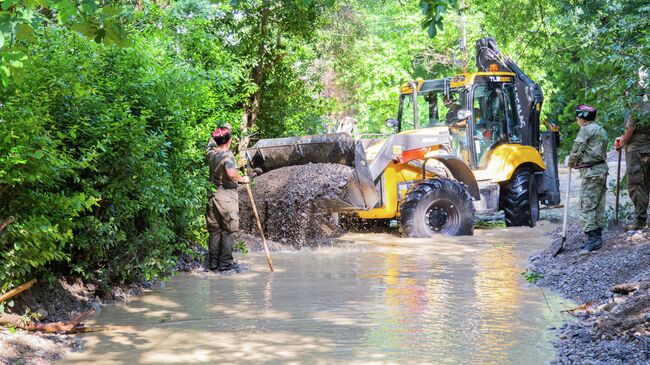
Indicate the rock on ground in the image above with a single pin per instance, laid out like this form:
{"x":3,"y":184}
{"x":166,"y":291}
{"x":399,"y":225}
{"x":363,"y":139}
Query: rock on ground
{"x":614,"y":322}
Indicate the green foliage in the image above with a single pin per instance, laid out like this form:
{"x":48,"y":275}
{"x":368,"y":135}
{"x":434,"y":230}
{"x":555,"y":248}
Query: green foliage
{"x":102,"y":149}
{"x":485,"y":224}
{"x":275,"y":42}
{"x":433,"y":11}
{"x":22,"y":21}
{"x":532,"y":276}
{"x":241,"y":247}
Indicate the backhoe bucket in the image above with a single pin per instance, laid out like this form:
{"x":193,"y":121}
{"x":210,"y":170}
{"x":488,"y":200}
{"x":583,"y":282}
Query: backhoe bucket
{"x":359,"y":192}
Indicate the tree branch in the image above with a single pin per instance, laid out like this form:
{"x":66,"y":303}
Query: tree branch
{"x":17,"y":321}
{"x":12,"y":293}
{"x":6,"y":222}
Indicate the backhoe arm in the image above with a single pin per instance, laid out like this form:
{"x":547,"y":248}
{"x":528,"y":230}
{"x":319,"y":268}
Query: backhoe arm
{"x":528,"y":94}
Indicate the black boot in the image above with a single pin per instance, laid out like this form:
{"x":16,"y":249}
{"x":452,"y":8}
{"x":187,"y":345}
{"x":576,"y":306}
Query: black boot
{"x":212,"y":259}
{"x":596,"y":243}
{"x":591,"y":237}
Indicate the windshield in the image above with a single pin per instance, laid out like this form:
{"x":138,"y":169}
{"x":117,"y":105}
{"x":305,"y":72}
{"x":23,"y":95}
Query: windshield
{"x":495,"y":120}
{"x":433,"y":110}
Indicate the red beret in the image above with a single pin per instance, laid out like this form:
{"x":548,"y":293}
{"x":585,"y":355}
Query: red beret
{"x":221,"y":131}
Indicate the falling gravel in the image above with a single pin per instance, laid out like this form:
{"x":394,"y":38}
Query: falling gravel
{"x":291,"y":202}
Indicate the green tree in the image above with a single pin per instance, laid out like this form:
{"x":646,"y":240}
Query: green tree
{"x":270,"y":38}
{"x":23,"y":20}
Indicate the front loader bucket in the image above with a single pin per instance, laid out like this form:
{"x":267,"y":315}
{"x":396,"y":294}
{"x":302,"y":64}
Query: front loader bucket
{"x":359,"y":192}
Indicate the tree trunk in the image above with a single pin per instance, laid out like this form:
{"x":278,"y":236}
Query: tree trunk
{"x":252,"y":106}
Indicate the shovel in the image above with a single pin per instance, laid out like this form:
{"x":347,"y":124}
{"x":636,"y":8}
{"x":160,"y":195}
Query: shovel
{"x":259,"y":225}
{"x":618,"y":191}
{"x":566,"y":215}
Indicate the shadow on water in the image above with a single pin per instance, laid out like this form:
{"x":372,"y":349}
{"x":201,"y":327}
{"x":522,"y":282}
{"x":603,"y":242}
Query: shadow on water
{"x":374,"y":299}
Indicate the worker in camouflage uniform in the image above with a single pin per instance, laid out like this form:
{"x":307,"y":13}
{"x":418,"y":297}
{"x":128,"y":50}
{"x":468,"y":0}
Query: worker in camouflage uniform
{"x":636,"y":140}
{"x":222,"y":215}
{"x":588,"y":154}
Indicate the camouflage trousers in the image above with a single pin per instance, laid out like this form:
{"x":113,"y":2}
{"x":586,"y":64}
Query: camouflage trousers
{"x":222,"y":219}
{"x":638,"y":181}
{"x":592,"y":202}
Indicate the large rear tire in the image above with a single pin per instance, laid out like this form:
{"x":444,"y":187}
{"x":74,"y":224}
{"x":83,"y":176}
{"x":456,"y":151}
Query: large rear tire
{"x":519,"y":199}
{"x":437,"y":206}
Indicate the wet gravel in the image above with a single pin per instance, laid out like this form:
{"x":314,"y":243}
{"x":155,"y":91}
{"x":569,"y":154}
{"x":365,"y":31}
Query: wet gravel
{"x":611,"y":328}
{"x":292,"y":203}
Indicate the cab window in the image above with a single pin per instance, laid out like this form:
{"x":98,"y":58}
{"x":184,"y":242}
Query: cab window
{"x":491,"y":115}
{"x":433,"y":110}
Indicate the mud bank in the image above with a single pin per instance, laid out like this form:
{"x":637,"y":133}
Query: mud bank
{"x":59,"y":301}
{"x":613,"y":325}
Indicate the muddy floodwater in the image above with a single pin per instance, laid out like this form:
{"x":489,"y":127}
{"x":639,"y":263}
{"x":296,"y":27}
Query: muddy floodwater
{"x":376,"y":298}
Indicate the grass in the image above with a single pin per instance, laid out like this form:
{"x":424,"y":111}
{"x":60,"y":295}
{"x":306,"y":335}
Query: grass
{"x":490,"y":224}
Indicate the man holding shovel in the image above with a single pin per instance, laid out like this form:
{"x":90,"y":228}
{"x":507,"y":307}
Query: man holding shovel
{"x":222,"y":215}
{"x":636,"y":140}
{"x":588,"y":155}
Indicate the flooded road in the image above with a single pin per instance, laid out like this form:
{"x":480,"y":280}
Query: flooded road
{"x":376,"y":299}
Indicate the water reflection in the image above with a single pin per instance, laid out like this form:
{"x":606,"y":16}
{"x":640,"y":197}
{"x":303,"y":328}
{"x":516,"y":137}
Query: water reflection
{"x":379,"y":300}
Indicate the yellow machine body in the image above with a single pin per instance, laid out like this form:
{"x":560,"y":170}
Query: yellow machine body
{"x":506,"y":158}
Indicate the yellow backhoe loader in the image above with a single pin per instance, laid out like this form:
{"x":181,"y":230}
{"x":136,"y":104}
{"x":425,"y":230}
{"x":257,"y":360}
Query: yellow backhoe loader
{"x":463,"y":144}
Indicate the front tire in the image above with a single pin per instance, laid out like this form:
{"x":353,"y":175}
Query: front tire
{"x":519,"y":199}
{"x":437,"y":206}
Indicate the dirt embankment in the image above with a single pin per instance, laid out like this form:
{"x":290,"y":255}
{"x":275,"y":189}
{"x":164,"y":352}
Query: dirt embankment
{"x":290,"y":202}
{"x":59,"y":301}
{"x":613,"y":325}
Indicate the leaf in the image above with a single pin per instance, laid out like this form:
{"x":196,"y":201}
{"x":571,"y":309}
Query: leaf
{"x":5,"y":79}
{"x":432,"y":30}
{"x":89,"y":7}
{"x":24,"y":33}
{"x":66,"y":11}
{"x":6,"y":4}
{"x":2,"y":40}
{"x":16,"y":64}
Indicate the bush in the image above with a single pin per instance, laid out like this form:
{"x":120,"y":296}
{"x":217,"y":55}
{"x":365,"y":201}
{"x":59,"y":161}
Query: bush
{"x":102,"y":151}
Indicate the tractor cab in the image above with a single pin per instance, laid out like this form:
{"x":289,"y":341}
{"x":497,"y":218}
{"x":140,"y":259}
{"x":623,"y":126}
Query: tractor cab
{"x":478,"y":109}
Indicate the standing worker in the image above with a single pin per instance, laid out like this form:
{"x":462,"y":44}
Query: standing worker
{"x":222,"y":215}
{"x":636,"y":140}
{"x":588,"y":154}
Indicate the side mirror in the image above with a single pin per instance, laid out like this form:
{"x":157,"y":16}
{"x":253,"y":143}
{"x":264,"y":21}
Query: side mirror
{"x":391,"y":123}
{"x":463,"y":114}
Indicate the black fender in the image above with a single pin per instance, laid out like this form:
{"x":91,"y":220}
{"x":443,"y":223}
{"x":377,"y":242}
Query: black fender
{"x":461,"y":172}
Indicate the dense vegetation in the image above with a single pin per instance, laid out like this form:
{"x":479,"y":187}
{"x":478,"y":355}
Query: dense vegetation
{"x":105,"y":106}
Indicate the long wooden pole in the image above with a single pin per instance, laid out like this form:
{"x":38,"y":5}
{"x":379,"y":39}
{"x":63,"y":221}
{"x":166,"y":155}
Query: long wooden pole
{"x":259,"y":225}
{"x":618,"y":186}
{"x":13,"y":292}
{"x":566,"y":215}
